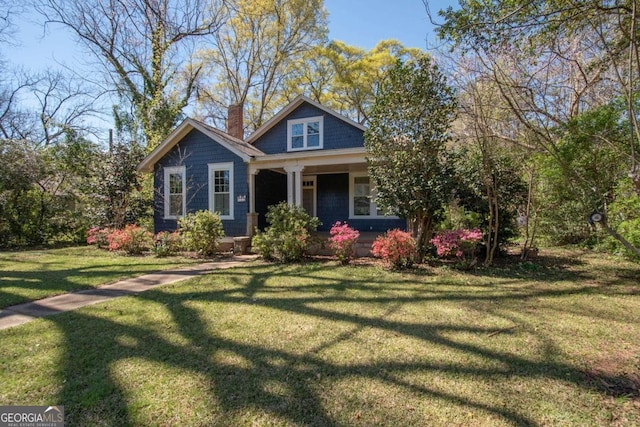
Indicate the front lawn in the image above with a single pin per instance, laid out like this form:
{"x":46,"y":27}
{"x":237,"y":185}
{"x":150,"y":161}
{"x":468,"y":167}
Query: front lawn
{"x":34,"y":274}
{"x":552,"y":342}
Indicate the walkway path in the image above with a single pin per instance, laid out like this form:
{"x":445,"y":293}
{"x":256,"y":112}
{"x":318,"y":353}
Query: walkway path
{"x":23,"y":313}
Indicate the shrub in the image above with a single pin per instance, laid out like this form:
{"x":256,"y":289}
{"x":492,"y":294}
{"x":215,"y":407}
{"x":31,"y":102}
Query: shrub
{"x":132,"y":239}
{"x":343,"y":241}
{"x":289,"y":233}
{"x":166,"y":243}
{"x":201,"y":232}
{"x":460,"y":243}
{"x":397,"y":248}
{"x":98,"y":236}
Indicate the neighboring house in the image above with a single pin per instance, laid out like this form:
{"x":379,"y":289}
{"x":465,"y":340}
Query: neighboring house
{"x":307,"y":155}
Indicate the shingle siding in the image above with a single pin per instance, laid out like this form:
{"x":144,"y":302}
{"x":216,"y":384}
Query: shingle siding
{"x":196,"y":151}
{"x":333,"y":205}
{"x":332,"y":199}
{"x":271,"y":189}
{"x":336,"y":133}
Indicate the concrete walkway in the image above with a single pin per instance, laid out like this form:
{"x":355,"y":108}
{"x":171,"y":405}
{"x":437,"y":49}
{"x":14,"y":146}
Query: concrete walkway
{"x":23,"y":313}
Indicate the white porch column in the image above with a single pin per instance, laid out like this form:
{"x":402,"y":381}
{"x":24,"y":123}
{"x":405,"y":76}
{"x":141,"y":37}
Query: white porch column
{"x":294,"y":185}
{"x":299,"y":186}
{"x":252,"y":189}
{"x":252,"y":216}
{"x":290,"y":183}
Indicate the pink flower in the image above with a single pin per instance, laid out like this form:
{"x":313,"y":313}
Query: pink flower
{"x":456,"y":242}
{"x":343,"y":241}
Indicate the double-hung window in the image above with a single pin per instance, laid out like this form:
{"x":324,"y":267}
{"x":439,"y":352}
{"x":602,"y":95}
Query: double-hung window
{"x":362,"y":197}
{"x":175,"y":192}
{"x":305,"y":134}
{"x":221,"y":189}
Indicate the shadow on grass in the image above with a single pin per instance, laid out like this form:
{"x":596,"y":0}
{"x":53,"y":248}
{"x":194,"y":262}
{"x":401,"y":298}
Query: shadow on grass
{"x":92,"y":344}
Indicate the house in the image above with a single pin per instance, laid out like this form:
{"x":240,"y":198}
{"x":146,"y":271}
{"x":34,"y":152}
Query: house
{"x":307,"y":155}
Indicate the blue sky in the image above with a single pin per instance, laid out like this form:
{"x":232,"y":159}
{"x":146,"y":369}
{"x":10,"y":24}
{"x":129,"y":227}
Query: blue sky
{"x":364,"y":23}
{"x":360,"y":23}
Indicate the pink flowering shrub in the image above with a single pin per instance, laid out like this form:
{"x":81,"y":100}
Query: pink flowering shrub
{"x":459,"y":243}
{"x":132,"y":239}
{"x":98,"y":236}
{"x":343,"y":241}
{"x":397,"y":248}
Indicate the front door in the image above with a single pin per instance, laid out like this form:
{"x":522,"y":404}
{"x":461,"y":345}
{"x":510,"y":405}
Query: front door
{"x":309,"y":194}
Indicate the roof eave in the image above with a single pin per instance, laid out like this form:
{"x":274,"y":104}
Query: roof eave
{"x":292,"y":106}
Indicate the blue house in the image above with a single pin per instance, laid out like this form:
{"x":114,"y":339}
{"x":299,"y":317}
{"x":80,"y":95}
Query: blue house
{"x":307,"y":155}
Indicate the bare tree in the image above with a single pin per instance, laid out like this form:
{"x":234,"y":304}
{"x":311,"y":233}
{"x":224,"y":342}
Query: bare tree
{"x":142,"y":46}
{"x":553,"y":61}
{"x":256,"y":53}
{"x":42,"y":108}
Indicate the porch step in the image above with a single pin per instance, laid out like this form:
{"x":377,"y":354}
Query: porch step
{"x":239,"y":245}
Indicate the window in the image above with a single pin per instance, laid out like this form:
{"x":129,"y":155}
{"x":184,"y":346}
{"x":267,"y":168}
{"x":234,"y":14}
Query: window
{"x":362,"y":197}
{"x":175,"y":192}
{"x":221,"y":189}
{"x":305,"y":134}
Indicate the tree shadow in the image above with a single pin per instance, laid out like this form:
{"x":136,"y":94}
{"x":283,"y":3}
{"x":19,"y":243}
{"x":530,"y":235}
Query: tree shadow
{"x":93,"y":344}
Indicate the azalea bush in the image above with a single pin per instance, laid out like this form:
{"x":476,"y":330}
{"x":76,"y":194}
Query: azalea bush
{"x":201,"y":232}
{"x":343,"y":241}
{"x":397,"y":248}
{"x":459,"y":243}
{"x":99,"y":236}
{"x":132,"y":239}
{"x":289,"y":234}
{"x":166,"y":243}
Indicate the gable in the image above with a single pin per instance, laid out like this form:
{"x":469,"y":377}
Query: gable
{"x":338,"y":132}
{"x":210,"y":136}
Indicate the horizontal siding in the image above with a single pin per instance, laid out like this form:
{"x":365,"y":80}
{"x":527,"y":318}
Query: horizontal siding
{"x":195,"y":151}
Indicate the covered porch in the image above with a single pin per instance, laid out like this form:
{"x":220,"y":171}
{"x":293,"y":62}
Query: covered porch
{"x":318,"y":181}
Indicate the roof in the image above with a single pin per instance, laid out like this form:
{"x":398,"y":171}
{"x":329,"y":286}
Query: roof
{"x":240,"y":148}
{"x":299,"y":100}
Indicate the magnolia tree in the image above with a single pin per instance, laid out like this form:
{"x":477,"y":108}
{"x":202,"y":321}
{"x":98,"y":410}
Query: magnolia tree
{"x":405,"y":141}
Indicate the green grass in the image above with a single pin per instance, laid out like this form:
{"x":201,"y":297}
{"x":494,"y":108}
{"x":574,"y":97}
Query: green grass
{"x":35,"y":274}
{"x":552,"y":342}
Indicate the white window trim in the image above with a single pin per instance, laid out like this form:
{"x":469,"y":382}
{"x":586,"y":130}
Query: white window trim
{"x":219,"y":167}
{"x":290,"y":123}
{"x":167,"y":172}
{"x":373,"y":206}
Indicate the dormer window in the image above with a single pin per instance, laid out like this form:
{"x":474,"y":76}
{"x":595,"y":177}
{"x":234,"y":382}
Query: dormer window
{"x":305,"y":134}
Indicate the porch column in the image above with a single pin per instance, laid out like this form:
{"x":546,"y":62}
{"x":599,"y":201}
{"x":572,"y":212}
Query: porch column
{"x":294,"y":185}
{"x":290,"y":182}
{"x":299,"y":186}
{"x":252,"y":215}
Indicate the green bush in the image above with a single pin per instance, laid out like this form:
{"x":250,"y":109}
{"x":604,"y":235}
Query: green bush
{"x":624,"y":216}
{"x":289,"y":233}
{"x":166,"y":243}
{"x":201,"y":232}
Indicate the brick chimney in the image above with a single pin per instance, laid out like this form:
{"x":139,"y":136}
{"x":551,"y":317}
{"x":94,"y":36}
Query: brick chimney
{"x":234,"y":121}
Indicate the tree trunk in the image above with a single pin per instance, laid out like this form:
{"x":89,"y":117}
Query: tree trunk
{"x":422,"y":231}
{"x":613,"y":233}
{"x":494,"y":223}
{"x":529,"y":236}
